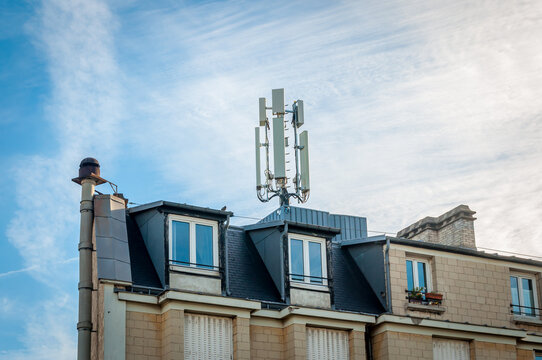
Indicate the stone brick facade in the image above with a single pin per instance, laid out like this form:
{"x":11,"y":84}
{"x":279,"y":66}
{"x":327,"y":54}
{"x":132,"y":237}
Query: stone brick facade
{"x":475,"y":290}
{"x":143,"y":336}
{"x":402,"y":346}
{"x":266,"y":343}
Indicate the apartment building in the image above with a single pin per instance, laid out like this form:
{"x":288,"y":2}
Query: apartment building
{"x":177,"y":281}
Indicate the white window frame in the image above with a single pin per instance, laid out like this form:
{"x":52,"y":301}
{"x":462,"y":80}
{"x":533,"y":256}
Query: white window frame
{"x":306,"y":263}
{"x":415,"y":261}
{"x":192,"y":222}
{"x":520,"y":276}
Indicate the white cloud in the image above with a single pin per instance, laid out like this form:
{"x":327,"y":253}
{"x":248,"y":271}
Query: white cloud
{"x":84,"y":110}
{"x":413,"y":107}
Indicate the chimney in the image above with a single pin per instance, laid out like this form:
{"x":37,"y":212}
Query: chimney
{"x":89,"y":177}
{"x":453,"y":228}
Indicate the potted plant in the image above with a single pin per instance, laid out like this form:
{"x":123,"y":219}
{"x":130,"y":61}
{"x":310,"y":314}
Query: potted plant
{"x":416,"y":294}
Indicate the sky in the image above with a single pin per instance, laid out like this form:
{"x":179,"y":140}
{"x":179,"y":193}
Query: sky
{"x":413,"y":107}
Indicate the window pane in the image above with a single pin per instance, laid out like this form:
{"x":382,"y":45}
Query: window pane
{"x":315,"y":262}
{"x":421,"y":276}
{"x":538,"y":356}
{"x":515,"y":294}
{"x":410,"y":275}
{"x":528,"y":296}
{"x":181,"y":242}
{"x":204,"y":246}
{"x":296,"y":259}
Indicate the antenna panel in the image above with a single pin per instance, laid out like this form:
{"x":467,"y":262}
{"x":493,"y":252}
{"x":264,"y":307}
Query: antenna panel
{"x":258,"y":169}
{"x":278,"y":101}
{"x":263,"y":115}
{"x":279,"y":155}
{"x":304,"y":160}
{"x":300,"y":113}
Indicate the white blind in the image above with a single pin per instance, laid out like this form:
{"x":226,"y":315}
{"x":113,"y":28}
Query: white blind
{"x":207,"y":337}
{"x":445,"y":349}
{"x":324,"y":344}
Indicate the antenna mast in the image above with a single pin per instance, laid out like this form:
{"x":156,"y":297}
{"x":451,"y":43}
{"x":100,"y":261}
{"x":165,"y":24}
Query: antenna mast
{"x":276,"y":184}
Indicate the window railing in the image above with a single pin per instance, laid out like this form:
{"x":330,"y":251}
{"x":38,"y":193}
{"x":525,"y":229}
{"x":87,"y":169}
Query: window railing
{"x":191,"y":264}
{"x":525,"y":310}
{"x":315,"y":280}
{"x":423,"y":297}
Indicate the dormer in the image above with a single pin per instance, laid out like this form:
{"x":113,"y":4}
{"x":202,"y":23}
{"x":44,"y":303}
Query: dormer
{"x":298,"y":258}
{"x":185,"y":244}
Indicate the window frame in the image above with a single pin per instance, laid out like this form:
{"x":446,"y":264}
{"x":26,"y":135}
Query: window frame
{"x":306,"y":261}
{"x":428,"y":278}
{"x":192,"y":222}
{"x":535,"y":306}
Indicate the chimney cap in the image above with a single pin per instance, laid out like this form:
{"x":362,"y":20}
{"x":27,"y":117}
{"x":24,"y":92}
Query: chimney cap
{"x":89,"y":168}
{"x":89,"y":162}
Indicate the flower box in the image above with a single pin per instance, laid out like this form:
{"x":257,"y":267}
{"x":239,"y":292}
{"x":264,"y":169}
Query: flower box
{"x":433,"y":296}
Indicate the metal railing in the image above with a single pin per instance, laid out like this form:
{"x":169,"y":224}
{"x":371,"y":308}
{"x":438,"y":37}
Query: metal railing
{"x":423,"y":297}
{"x":191,"y":264}
{"x":529,"y":310}
{"x":316,"y":280}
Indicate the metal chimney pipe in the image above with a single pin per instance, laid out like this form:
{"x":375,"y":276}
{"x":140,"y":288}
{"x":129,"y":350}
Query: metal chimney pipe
{"x":84,"y":325}
{"x":89,"y":177}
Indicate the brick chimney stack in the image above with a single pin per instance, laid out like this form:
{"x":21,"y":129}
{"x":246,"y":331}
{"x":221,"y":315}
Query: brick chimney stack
{"x":453,"y":228}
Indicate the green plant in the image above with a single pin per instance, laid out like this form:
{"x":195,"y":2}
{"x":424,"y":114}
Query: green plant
{"x":417,"y":292}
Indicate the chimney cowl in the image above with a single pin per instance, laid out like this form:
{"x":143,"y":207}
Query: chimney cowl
{"x":88,"y":167}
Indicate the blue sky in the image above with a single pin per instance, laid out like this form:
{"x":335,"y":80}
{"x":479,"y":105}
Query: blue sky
{"x":413,"y":107}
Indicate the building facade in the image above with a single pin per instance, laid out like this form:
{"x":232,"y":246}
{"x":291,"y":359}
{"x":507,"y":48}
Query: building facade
{"x":176,"y":281}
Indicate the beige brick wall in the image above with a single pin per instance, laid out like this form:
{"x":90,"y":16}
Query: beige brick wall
{"x":173,"y":334}
{"x":266,"y":343}
{"x":356,"y":343}
{"x":295,"y":342}
{"x":143,"y":336}
{"x":474,"y":291}
{"x":525,"y":354}
{"x":241,"y":338}
{"x":402,"y":346}
{"x":492,"y":351}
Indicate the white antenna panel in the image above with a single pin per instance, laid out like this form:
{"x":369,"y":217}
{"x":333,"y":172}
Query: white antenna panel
{"x":279,"y":155}
{"x":304,"y":160}
{"x":258,"y":169}
{"x":300,"y":113}
{"x":263,"y":116}
{"x":278,"y":101}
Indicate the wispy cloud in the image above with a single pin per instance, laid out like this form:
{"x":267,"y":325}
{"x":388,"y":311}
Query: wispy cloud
{"x":84,"y":108}
{"x":413,"y":107}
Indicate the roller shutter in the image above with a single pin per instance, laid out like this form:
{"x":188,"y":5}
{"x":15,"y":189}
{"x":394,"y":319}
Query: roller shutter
{"x":445,"y":349}
{"x":324,"y":344}
{"x":207,"y":337}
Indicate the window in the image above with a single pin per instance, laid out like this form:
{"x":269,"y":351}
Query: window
{"x":193,"y":242}
{"x":307,"y":259}
{"x":538,"y":355}
{"x":524,"y":301}
{"x":207,"y":337}
{"x":418,"y":274}
{"x":325,"y":344}
{"x":446,"y":349}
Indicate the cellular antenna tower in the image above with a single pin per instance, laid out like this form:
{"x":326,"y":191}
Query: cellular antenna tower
{"x":276,"y":182}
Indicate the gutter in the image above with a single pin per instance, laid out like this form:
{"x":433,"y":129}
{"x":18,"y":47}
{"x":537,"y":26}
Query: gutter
{"x":226,"y":257}
{"x":387,"y":266}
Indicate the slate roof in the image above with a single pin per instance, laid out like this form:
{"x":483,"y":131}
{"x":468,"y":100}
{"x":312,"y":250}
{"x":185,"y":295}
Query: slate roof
{"x":248,"y":276}
{"x":351,"y":289}
{"x":143,"y":273}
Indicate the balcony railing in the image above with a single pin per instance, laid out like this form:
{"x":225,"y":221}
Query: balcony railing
{"x":525,"y":310}
{"x":316,"y":280}
{"x":190,"y":264}
{"x":424,"y":297}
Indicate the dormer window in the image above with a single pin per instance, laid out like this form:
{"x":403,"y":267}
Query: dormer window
{"x":193,"y":242}
{"x":307,"y":259}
